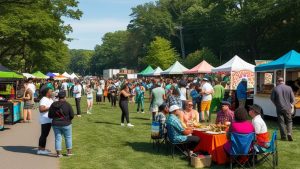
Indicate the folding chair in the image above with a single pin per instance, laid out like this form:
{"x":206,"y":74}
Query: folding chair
{"x":241,"y":146}
{"x":264,"y":154}
{"x":158,"y":136}
{"x":182,"y":147}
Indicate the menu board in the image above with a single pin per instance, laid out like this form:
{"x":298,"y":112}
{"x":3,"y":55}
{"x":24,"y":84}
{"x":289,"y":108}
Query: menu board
{"x":236,"y":78}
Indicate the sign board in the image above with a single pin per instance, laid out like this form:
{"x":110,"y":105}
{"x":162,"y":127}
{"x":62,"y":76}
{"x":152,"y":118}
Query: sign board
{"x":236,"y":78}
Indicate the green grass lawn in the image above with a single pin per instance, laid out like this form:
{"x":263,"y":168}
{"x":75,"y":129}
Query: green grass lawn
{"x":99,"y":142}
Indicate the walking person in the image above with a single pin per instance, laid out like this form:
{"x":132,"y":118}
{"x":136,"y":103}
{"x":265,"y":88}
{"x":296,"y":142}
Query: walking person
{"x":90,"y":98}
{"x":61,"y":113}
{"x":64,"y":86}
{"x":45,"y":121}
{"x":283,"y":98}
{"x":139,"y":98}
{"x":158,"y":96}
{"x":77,"y":92}
{"x":206,"y":91}
{"x":241,"y":93}
{"x":28,"y":103}
{"x":123,"y":103}
{"x":105,"y":93}
{"x":113,"y":94}
{"x":99,"y":93}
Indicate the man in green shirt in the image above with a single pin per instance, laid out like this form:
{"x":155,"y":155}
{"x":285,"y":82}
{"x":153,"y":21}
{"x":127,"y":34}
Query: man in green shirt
{"x":218,"y":96}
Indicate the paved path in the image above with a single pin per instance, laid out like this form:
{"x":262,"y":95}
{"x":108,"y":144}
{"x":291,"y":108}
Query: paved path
{"x":18,"y":146}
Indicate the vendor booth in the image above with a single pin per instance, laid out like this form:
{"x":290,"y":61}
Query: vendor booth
{"x":288,"y":67}
{"x":66,"y":74}
{"x":155,"y":72}
{"x":175,"y":69}
{"x":73,"y":76}
{"x":201,"y":68}
{"x":237,"y":69}
{"x":10,"y":105}
{"x":146,"y":71}
{"x":40,"y":75}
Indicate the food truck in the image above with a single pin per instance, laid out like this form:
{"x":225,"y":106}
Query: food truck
{"x":288,"y":67}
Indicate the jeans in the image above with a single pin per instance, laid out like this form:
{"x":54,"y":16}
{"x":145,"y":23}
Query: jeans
{"x":125,"y":113}
{"x":66,"y":131}
{"x":77,"y":101}
{"x":140,"y":104}
{"x":113,"y":99}
{"x":44,"y":134}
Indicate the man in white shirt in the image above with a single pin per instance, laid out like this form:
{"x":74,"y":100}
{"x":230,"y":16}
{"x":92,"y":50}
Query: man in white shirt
{"x":77,"y":91}
{"x":45,"y":121}
{"x":207,"y":90}
{"x":65,"y":87}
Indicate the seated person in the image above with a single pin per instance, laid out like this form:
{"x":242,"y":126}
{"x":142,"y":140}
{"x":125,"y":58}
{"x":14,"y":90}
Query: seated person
{"x":176,"y":132}
{"x":190,"y":117}
{"x":225,"y":115}
{"x":240,"y":125}
{"x":161,"y":116}
{"x":261,"y":130}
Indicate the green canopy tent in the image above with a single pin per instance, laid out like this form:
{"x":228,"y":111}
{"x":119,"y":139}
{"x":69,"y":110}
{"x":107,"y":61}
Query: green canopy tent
{"x":39,"y":75}
{"x":146,"y":71}
{"x":8,"y":75}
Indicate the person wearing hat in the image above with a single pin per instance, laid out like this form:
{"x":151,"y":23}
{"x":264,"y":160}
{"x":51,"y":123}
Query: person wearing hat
{"x":225,"y":115}
{"x":207,"y":90}
{"x":241,"y":92}
{"x":61,"y":113}
{"x":176,"y":132}
{"x":260,"y":127}
{"x":283,"y":98}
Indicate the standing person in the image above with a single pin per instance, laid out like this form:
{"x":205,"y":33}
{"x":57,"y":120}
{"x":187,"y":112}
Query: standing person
{"x":45,"y":104}
{"x":158,"y":96}
{"x":31,"y":86}
{"x":70,"y":88}
{"x":218,"y":96}
{"x":139,"y":98}
{"x":241,"y":92}
{"x":64,"y":86}
{"x":99,"y":93}
{"x":123,"y":103}
{"x":196,"y":97}
{"x":90,"y":98}
{"x":105,"y":93}
{"x":113,"y":94}
{"x":77,"y":91}
{"x":207,"y":91}
{"x":28,"y":103}
{"x":283,"y":98}
{"x":62,"y":114}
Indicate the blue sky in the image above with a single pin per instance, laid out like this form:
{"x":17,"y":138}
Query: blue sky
{"x":99,"y":17}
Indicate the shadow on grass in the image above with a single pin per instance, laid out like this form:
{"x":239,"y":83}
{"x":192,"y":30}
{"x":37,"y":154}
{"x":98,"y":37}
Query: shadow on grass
{"x":141,"y":118}
{"x":148,"y":148}
{"x":105,"y":122}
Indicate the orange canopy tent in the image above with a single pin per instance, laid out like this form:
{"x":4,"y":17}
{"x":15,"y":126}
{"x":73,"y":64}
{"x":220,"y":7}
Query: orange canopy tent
{"x":202,"y":67}
{"x":60,"y":77}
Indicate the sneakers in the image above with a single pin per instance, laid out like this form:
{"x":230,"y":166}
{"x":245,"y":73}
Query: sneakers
{"x":122,"y":124}
{"x":290,"y":138}
{"x":130,"y":125}
{"x":43,"y":152}
{"x":138,"y":112}
{"x":88,"y":112}
{"x":78,"y":115}
{"x":143,"y":112}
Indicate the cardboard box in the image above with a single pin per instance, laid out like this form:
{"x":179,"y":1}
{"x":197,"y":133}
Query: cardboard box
{"x":201,"y":161}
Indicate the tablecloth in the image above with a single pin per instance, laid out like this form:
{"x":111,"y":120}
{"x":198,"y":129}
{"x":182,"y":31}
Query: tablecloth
{"x":213,"y":144}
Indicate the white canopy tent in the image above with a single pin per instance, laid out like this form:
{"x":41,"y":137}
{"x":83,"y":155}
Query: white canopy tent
{"x":66,"y":75}
{"x":175,"y":69}
{"x":28,"y":75}
{"x":156,"y":72}
{"x":73,"y":76}
{"x":234,"y":65}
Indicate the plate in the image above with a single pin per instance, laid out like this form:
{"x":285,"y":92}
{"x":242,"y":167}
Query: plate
{"x":213,"y":132}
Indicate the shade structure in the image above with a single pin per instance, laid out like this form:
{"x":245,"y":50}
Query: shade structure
{"x":10,"y":75}
{"x":40,"y":75}
{"x":155,"y":72}
{"x":73,"y":76}
{"x":287,"y":61}
{"x":234,"y":65}
{"x":50,"y":74}
{"x":66,"y":74}
{"x":175,"y":69}
{"x":60,"y":77}
{"x":202,"y":67}
{"x":148,"y":70}
{"x":28,"y":75}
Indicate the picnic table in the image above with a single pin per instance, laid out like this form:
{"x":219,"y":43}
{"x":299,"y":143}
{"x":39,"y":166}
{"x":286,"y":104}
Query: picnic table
{"x":213,"y":144}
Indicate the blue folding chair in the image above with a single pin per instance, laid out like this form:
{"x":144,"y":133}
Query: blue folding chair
{"x":264,"y":154}
{"x":241,"y":145}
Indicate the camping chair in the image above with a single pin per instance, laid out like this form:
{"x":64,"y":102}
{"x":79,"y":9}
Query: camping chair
{"x":182,"y":147}
{"x":241,"y":145}
{"x":264,"y":154}
{"x":158,"y":136}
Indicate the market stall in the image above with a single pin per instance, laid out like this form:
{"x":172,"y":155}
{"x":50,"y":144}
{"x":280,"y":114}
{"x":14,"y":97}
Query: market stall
{"x":146,"y":71}
{"x":11,"y":106}
{"x":60,"y":77}
{"x":50,"y":74}
{"x":28,"y":75}
{"x":73,"y":76}
{"x":201,"y":68}
{"x":237,"y":69}
{"x":155,"y":72}
{"x":39,"y":75}
{"x":288,"y":67}
{"x":66,"y":75}
{"x":175,"y":69}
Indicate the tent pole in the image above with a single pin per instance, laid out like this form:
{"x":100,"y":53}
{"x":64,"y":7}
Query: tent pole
{"x":284,"y":75}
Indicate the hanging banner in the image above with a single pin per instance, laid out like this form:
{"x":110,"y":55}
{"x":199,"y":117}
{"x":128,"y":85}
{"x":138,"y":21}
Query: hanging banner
{"x":236,"y":78}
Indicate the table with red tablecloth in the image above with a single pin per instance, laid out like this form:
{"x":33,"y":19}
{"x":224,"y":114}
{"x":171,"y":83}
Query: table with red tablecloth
{"x":213,"y":144}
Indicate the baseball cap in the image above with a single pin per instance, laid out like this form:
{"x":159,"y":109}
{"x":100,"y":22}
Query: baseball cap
{"x":256,"y":108}
{"x":226,"y":103}
{"x":62,"y":94}
{"x":173,"y":108}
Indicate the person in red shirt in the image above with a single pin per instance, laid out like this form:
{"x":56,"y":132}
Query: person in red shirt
{"x":225,"y":116}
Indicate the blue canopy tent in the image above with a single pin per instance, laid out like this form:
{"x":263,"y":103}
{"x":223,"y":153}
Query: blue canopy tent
{"x":50,"y":74}
{"x":287,"y":61}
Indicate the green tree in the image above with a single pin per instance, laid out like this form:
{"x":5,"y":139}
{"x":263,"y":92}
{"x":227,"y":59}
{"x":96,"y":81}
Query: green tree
{"x":160,"y":53}
{"x":198,"y":56}
{"x":80,"y":61}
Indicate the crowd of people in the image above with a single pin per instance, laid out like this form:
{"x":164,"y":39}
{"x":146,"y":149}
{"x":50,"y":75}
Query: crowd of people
{"x":179,"y":105}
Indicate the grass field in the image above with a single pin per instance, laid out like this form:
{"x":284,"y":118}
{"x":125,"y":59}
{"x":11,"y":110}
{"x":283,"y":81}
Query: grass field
{"x":101,"y":143}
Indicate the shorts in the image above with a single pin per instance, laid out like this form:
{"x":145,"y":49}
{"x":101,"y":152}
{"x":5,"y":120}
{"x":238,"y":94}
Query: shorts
{"x":154,"y":108}
{"x":89,"y":98}
{"x":28,"y":105}
{"x":205,"y":105}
